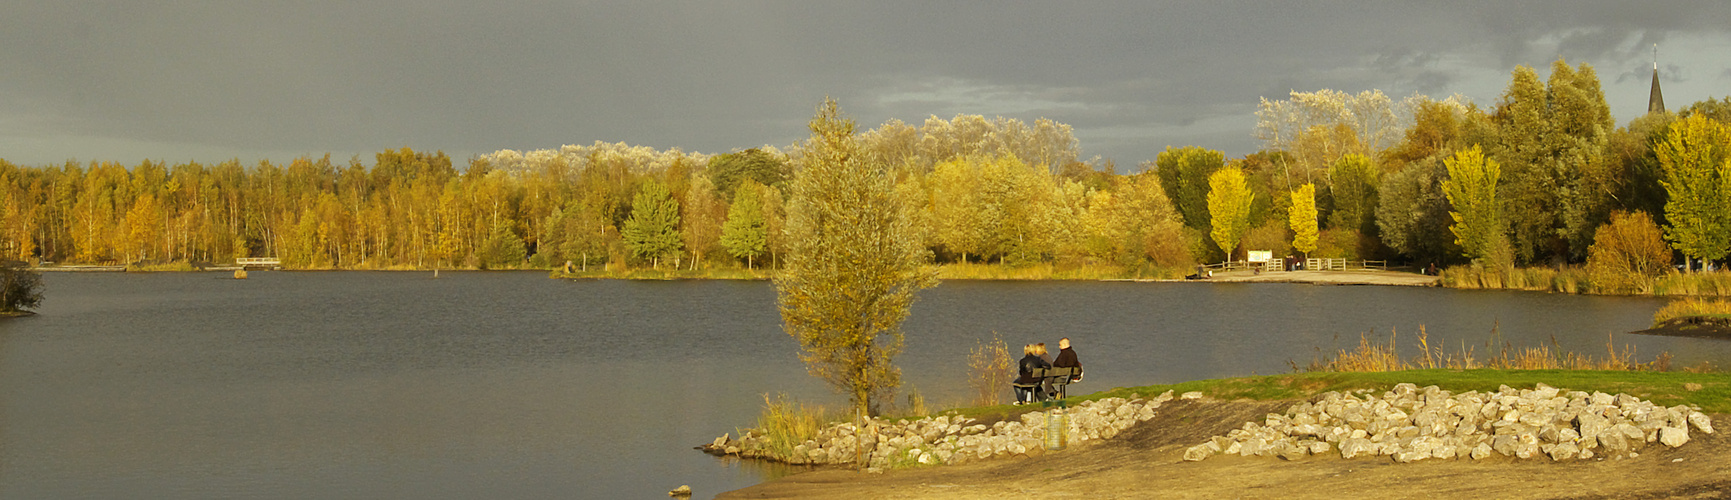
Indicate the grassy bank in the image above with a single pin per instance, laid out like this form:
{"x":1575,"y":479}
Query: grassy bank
{"x":1711,"y":391}
{"x":788,"y":423}
{"x":1580,"y":280}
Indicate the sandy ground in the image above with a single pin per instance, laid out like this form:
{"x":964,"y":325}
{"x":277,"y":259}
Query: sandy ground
{"x":1145,"y":462}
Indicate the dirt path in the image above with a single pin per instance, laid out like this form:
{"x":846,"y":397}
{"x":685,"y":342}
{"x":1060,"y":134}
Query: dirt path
{"x":1145,"y":463}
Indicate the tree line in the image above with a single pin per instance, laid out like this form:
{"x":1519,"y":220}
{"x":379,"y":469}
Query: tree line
{"x":1531,"y":180}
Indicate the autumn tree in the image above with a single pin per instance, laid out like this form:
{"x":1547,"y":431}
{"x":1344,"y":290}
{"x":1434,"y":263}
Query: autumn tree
{"x":959,"y":220}
{"x":1626,"y":250}
{"x":1472,"y":191}
{"x":1229,"y":200}
{"x":852,"y":264}
{"x":1132,"y":222}
{"x":744,"y":234}
{"x":652,"y":231}
{"x":1303,"y":219}
{"x":701,"y":224}
{"x":1696,"y":157}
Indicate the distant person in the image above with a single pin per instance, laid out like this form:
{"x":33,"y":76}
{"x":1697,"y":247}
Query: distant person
{"x":1045,"y":384}
{"x":1067,"y":359}
{"x":1030,"y":361}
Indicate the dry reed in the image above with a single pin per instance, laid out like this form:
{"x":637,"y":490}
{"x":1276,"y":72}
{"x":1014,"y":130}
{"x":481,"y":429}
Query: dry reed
{"x":1692,"y":307}
{"x":1373,"y":356}
{"x":990,"y":370}
{"x":788,"y":424}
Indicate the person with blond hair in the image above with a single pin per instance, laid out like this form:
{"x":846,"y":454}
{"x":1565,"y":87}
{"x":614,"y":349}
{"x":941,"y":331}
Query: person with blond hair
{"x":1031,"y":360}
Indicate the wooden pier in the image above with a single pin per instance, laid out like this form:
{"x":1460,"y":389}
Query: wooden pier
{"x":258,"y":262}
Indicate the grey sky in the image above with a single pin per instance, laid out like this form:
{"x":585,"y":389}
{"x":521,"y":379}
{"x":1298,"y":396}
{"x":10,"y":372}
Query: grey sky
{"x":208,"y":81}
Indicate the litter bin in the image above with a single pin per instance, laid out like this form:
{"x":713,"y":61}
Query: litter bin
{"x":1056,"y":426}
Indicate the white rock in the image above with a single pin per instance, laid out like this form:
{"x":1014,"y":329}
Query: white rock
{"x":1564,"y":451}
{"x":1674,"y":436}
{"x":1701,"y":421}
{"x":1198,"y":452}
{"x":1191,"y":395}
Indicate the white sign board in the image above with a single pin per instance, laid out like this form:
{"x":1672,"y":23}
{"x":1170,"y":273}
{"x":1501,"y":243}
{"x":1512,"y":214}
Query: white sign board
{"x":1261,"y":255}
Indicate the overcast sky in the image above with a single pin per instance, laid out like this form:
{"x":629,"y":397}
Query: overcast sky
{"x":208,"y":81}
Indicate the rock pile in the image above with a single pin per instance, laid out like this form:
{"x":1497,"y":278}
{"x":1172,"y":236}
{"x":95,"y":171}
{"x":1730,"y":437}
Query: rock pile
{"x":944,"y":439}
{"x":1409,"y":424}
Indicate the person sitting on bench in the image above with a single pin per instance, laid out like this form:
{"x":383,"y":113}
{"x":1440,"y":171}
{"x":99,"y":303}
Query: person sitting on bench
{"x":1026,"y":381}
{"x":1067,"y":359}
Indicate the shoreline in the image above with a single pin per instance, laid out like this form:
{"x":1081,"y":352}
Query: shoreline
{"x":1150,"y":456}
{"x":1355,"y":277}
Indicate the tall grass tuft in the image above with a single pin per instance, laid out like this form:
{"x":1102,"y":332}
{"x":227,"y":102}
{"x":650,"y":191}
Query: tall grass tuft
{"x":1692,"y":307}
{"x":990,"y":370}
{"x":1372,"y":356}
{"x":1588,"y":280}
{"x":788,"y":424}
{"x":1712,"y":284}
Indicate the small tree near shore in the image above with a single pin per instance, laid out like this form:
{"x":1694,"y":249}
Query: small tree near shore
{"x":853,"y":264}
{"x":20,"y":288}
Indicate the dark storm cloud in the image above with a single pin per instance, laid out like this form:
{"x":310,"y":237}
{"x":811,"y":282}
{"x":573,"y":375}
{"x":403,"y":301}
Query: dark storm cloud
{"x":249,"y":79}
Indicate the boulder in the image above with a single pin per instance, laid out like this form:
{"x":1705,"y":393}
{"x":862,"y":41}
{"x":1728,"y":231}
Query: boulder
{"x":1674,"y":436}
{"x":1187,"y":395}
{"x":1564,"y":451}
{"x":1318,"y":448}
{"x":1198,"y":453}
{"x":1481,"y":451}
{"x":1354,"y":447}
{"x":1701,"y":421}
{"x":1505,"y":444}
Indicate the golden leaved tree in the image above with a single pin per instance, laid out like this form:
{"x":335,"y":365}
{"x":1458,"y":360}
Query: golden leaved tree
{"x":1303,"y":219}
{"x":853,"y":264}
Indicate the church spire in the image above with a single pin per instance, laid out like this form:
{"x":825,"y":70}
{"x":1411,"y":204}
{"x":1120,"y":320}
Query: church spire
{"x":1655,"y":100}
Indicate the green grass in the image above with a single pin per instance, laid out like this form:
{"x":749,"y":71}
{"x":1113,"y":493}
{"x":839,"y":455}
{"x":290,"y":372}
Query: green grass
{"x":1666,"y":388}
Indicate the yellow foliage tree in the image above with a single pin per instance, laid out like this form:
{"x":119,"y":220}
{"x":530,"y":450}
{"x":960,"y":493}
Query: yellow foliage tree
{"x":1302,"y":216}
{"x":1229,"y":198}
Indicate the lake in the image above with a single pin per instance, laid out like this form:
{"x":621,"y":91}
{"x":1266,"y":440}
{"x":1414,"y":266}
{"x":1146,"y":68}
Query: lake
{"x":512,"y":385}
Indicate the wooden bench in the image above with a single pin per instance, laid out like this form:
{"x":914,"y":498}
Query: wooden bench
{"x":1059,"y":378}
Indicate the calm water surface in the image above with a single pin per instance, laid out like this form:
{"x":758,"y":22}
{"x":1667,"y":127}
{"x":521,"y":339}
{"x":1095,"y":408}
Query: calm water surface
{"x":512,"y":385}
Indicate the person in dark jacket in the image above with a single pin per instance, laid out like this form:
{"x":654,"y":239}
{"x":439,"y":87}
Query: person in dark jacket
{"x":1030,"y":361}
{"x":1067,"y":358}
